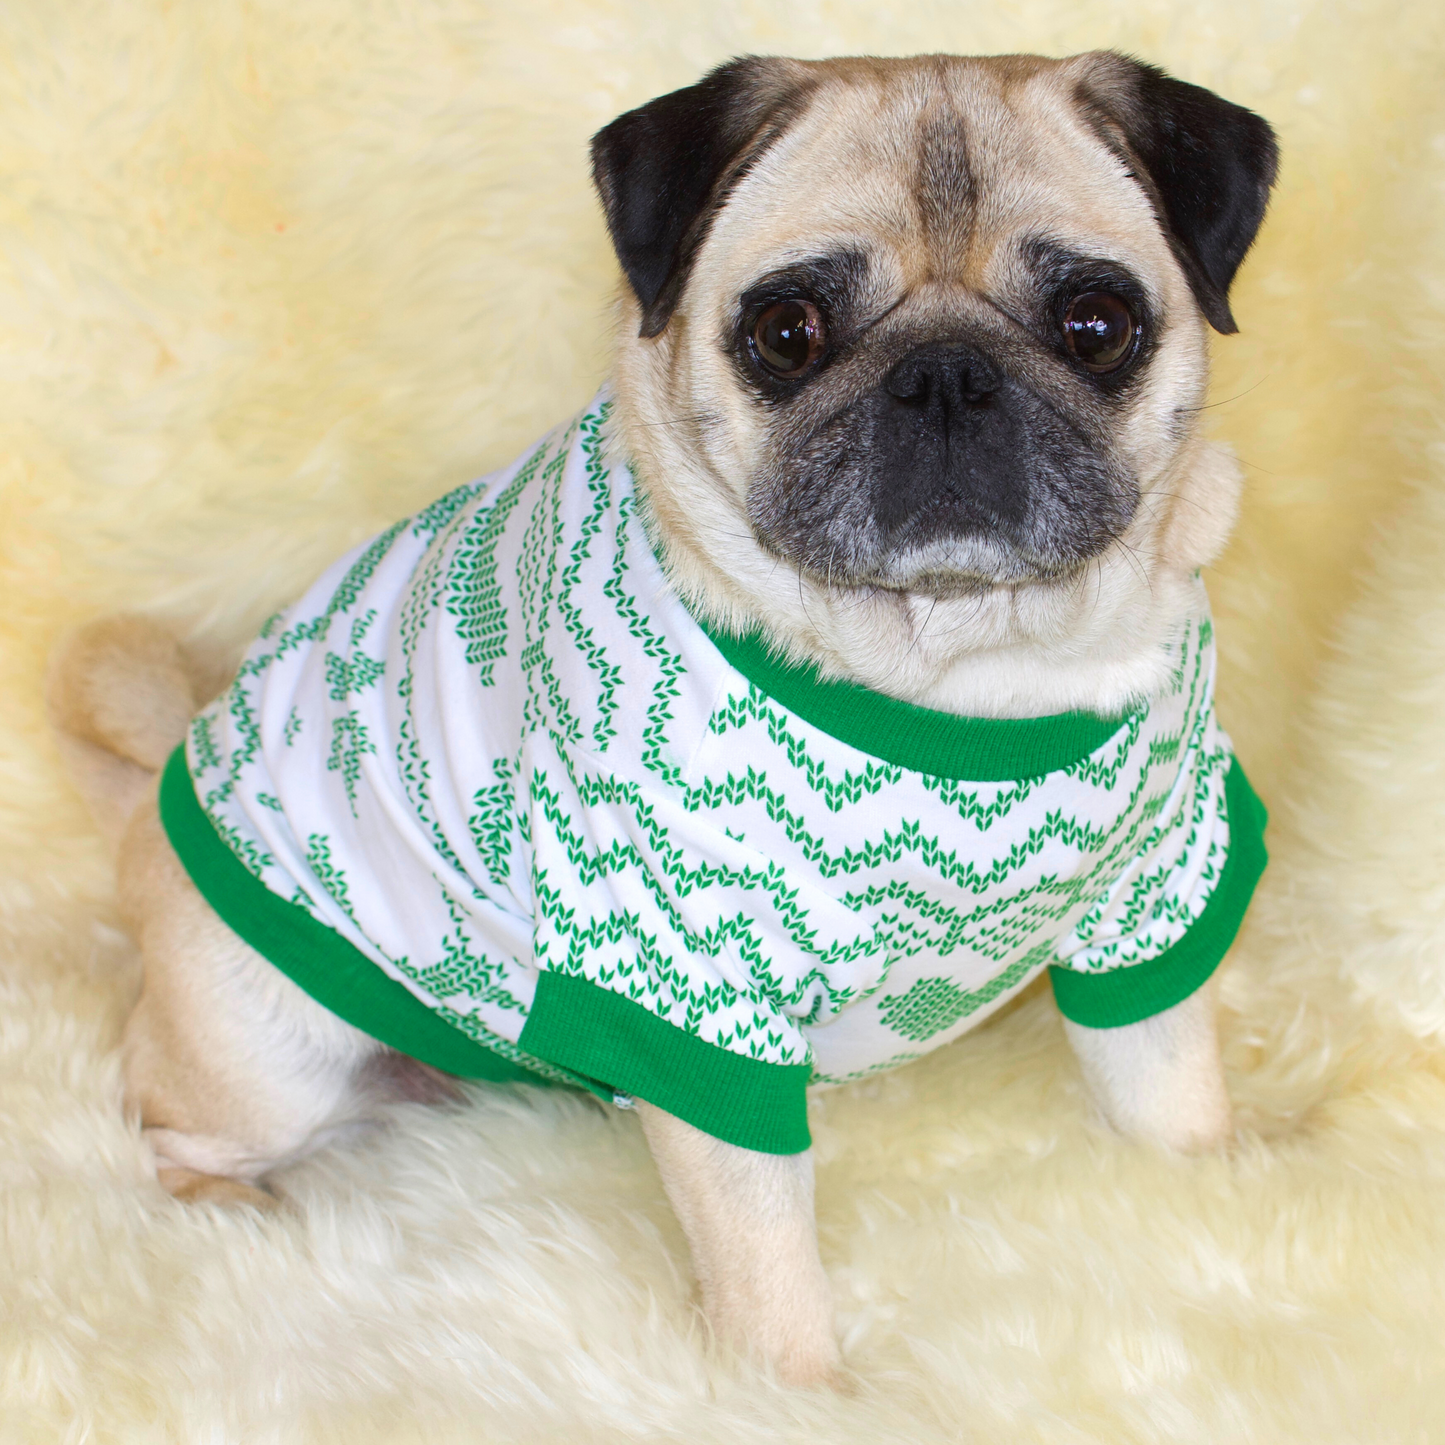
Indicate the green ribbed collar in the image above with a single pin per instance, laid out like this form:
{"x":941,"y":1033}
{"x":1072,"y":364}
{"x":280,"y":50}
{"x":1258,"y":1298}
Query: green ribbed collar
{"x":985,"y":750}
{"x":941,"y":744}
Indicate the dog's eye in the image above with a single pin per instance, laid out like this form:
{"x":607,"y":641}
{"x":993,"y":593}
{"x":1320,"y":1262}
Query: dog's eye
{"x":788,"y":337}
{"x":1099,"y":330}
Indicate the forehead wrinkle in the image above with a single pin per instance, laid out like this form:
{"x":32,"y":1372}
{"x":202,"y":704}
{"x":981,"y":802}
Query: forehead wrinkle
{"x":943,"y":184}
{"x":979,"y":172}
{"x":969,"y":144}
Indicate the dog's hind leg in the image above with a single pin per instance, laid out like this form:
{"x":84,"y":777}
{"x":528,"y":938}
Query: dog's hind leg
{"x":235,"y":1070}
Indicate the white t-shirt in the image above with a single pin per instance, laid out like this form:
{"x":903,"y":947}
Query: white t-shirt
{"x":491,"y":792}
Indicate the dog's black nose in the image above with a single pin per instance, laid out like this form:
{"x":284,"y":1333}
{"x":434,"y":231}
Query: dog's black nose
{"x":944,"y":378}
{"x":948,"y":423}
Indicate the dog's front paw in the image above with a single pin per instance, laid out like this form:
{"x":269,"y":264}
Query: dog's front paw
{"x":797,"y":1354}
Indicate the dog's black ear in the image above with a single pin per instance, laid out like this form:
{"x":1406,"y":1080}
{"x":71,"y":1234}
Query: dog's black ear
{"x":1207,"y":164}
{"x":664,"y":169}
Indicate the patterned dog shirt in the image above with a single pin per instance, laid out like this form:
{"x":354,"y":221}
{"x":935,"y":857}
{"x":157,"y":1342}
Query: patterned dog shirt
{"x":492,"y":794}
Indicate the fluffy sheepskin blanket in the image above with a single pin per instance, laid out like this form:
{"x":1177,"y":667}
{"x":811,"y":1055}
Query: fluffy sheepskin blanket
{"x":273,"y":274}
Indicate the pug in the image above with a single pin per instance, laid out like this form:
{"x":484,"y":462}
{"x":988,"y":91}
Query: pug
{"x":841,"y":669}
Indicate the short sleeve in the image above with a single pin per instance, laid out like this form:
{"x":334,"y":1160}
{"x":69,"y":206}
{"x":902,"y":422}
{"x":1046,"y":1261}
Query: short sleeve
{"x":675,"y":963}
{"x":1169,"y":919}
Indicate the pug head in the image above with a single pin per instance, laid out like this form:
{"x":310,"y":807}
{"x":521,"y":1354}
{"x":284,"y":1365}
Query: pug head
{"x":905,"y":332}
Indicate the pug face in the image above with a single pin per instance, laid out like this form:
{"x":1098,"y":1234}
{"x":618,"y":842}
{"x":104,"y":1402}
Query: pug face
{"x":924,"y":330}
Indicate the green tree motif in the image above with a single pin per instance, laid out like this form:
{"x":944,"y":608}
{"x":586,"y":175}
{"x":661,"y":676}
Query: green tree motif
{"x":932,"y":1005}
{"x":345,"y":676}
{"x":350,"y":741}
{"x":331,"y":878}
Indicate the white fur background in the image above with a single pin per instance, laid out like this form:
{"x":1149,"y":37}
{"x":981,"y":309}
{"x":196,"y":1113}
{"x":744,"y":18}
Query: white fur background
{"x":273,"y":274}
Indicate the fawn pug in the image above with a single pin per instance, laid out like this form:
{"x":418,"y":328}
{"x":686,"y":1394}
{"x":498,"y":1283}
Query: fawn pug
{"x":844,"y":666}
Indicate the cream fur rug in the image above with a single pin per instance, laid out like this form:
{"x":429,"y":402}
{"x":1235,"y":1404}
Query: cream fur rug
{"x":273,"y":274}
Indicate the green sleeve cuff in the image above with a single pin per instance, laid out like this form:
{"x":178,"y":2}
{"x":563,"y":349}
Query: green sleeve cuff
{"x":589,"y":1030}
{"x":1122,"y":996}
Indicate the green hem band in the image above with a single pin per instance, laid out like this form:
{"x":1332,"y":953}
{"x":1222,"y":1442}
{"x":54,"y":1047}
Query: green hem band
{"x":1126,"y":995}
{"x":316,"y":958}
{"x":589,"y":1030}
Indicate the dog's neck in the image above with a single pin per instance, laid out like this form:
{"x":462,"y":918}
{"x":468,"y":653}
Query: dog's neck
{"x":1093,"y":642}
